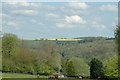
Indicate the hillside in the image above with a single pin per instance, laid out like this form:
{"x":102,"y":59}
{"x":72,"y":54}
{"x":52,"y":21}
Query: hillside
{"x":87,"y":47}
{"x":45,"y":57}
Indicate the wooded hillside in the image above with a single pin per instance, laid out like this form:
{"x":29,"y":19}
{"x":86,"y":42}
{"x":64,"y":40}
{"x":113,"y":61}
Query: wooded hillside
{"x":48,"y":57}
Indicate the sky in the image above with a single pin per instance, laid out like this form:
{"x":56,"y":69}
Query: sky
{"x":35,"y":20}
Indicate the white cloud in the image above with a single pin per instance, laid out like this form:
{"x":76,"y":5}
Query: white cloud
{"x":34,"y":4}
{"x":6,"y":16}
{"x":36,"y":22}
{"x":1,"y":15}
{"x":24,"y":4}
{"x":33,"y":21}
{"x":25,"y":12}
{"x":74,"y":19}
{"x":15,"y":3}
{"x":78,"y":5}
{"x":65,"y":25}
{"x":20,"y":3}
{"x":0,"y":21}
{"x":108,"y":7}
{"x":24,"y":8}
{"x":94,"y":22}
{"x":114,"y":24}
{"x":61,"y":25}
{"x":70,"y":21}
{"x":12,"y":24}
{"x":52,"y":15}
{"x":97,"y":25}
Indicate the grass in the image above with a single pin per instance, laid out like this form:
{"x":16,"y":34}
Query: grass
{"x":18,"y":75}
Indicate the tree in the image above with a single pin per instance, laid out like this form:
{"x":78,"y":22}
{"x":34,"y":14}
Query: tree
{"x":10,"y":45}
{"x":70,"y":68}
{"x":111,"y":66}
{"x":117,"y":36}
{"x":81,"y":67}
{"x":96,"y":69}
{"x":10,"y":49}
{"x":46,"y":69}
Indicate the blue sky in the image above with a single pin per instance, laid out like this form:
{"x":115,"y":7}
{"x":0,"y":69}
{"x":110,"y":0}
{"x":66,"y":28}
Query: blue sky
{"x":59,"y":19}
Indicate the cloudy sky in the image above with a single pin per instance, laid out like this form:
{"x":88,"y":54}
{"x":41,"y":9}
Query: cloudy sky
{"x":59,"y":19}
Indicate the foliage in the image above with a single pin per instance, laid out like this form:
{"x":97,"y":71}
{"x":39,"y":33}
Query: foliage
{"x":81,"y":67}
{"x":46,"y":69}
{"x":117,"y":36}
{"x":70,"y":68}
{"x":17,"y":57}
{"x":96,"y":69}
{"x":10,"y":45}
{"x":48,"y":57}
{"x":111,"y":66}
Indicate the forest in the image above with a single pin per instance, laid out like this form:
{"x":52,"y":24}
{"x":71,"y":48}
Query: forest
{"x":70,"y":58}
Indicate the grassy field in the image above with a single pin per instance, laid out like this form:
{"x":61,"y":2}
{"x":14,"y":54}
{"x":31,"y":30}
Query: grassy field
{"x":17,"y":75}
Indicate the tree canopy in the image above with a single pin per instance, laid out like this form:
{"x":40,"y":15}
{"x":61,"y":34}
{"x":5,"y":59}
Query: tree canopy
{"x":117,"y":36}
{"x":10,"y":45}
{"x":96,"y":69}
{"x":70,"y":69}
{"x":111,"y":66}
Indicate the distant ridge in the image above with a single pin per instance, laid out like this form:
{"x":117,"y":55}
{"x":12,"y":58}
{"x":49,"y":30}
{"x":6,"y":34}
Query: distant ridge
{"x":62,"y":39}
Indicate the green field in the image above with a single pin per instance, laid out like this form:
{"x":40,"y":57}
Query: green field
{"x":18,"y":75}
